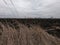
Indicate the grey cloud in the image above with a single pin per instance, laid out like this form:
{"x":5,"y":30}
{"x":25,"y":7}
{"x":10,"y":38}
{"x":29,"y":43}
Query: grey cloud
{"x":30,"y":8}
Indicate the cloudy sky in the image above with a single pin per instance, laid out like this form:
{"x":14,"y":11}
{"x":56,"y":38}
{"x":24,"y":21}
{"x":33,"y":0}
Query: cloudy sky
{"x":29,"y":8}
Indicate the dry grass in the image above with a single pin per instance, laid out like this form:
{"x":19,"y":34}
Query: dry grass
{"x":17,"y":33}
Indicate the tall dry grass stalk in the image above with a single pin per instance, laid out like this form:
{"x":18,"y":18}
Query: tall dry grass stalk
{"x":20,"y":34}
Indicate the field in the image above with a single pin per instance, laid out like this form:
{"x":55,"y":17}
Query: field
{"x":29,"y":32}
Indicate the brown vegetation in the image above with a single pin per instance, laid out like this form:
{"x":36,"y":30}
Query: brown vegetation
{"x":16,"y":32}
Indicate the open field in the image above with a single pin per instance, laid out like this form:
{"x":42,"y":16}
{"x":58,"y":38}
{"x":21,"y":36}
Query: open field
{"x":29,"y":32}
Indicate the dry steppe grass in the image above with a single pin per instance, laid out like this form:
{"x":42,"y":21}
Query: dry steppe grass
{"x":16,"y":33}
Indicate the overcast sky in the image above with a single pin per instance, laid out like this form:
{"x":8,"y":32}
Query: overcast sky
{"x":29,"y":8}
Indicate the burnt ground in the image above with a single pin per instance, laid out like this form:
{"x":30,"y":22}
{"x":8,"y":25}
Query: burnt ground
{"x":29,"y":31}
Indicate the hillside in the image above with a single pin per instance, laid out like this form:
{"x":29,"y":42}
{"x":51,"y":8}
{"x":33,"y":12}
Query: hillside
{"x":29,"y":32}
